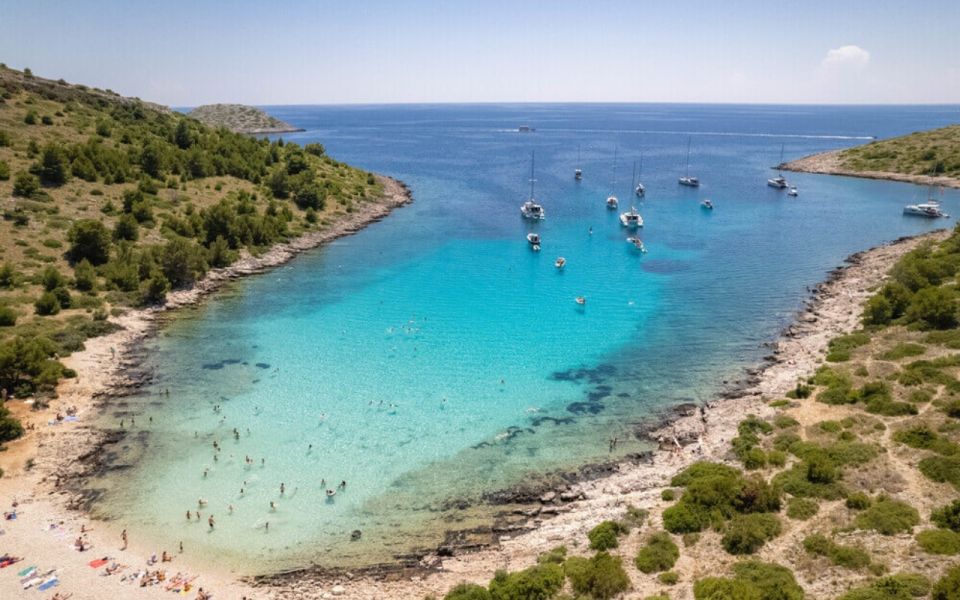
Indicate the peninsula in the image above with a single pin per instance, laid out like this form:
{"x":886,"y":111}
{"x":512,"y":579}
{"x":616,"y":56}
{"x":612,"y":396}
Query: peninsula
{"x":240,"y":118}
{"x":924,"y":158}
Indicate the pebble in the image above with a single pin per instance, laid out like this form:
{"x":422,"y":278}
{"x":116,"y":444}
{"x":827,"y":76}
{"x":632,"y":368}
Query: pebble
{"x":338,"y":590}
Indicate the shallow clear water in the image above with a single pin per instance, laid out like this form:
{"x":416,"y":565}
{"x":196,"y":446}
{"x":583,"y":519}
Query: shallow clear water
{"x":433,"y":356}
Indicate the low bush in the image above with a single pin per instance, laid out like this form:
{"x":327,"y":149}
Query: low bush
{"x":659,"y":554}
{"x":839,"y":348}
{"x":47,"y":304}
{"x":600,"y":577}
{"x":903,"y":586}
{"x":947,"y":517}
{"x":942,"y":469}
{"x":948,"y":587}
{"x":802,"y":508}
{"x":939,"y":541}
{"x":806,"y":480}
{"x":668,"y":495}
{"x":745,"y":534}
{"x":669,"y":578}
{"x":540,"y":582}
{"x":752,"y":580}
{"x":903,"y":350}
{"x":923,"y":437}
{"x":604,"y":536}
{"x":888,"y":517}
{"x":468,"y":591}
{"x":8,"y":316}
{"x":784,"y":421}
{"x":858,"y":501}
{"x":849,"y":557}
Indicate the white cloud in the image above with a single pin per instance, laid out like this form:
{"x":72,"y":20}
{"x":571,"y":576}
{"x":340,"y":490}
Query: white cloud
{"x":846,"y":56}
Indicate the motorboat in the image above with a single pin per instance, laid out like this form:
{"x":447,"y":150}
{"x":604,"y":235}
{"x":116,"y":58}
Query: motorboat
{"x":533,"y":238}
{"x":631,"y":219}
{"x":639,"y":190}
{"x":612,"y":202}
{"x":707,"y":204}
{"x":793,"y":191}
{"x":687,"y":179}
{"x":637,"y":243}
{"x":581,"y":300}
{"x":530,"y":209}
{"x":578,"y":172}
{"x":930,"y":209}
{"x":560,"y":262}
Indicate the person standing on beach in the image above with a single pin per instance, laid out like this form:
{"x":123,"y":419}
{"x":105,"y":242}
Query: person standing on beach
{"x":123,"y":536}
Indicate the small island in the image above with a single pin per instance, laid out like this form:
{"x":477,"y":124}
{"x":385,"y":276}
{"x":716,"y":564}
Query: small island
{"x":240,"y":118}
{"x":924,"y":157}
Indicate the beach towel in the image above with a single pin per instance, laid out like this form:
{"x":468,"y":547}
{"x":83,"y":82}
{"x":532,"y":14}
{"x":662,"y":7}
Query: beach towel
{"x":26,"y":571}
{"x":46,"y":585}
{"x":96,"y":564}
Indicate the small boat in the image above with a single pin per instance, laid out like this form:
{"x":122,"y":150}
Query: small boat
{"x":687,"y":180}
{"x":631,"y":219}
{"x":778,"y":182}
{"x":612,"y":202}
{"x":638,"y":188}
{"x":526,"y":129}
{"x":707,"y":204}
{"x":578,"y":173}
{"x":534,"y":239}
{"x":793,"y":191}
{"x":560,"y":262}
{"x":637,"y":243}
{"x":331,"y":493}
{"x":530,"y":209}
{"x":581,"y":300}
{"x":930,"y":209}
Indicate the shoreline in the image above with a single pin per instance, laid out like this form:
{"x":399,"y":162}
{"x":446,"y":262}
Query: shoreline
{"x":564,"y":516}
{"x":556,"y":517}
{"x":45,"y":466}
{"x":828,"y":163}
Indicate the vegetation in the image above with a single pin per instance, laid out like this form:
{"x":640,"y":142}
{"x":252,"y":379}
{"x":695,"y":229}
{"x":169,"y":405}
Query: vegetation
{"x":802,"y":508}
{"x":904,"y":586}
{"x":659,"y":554}
{"x":238,"y":118}
{"x":116,"y":201}
{"x":600,"y":577}
{"x":843,"y":556}
{"x":888,"y":516}
{"x":934,"y":152}
{"x":752,"y":580}
{"x":604,"y":535}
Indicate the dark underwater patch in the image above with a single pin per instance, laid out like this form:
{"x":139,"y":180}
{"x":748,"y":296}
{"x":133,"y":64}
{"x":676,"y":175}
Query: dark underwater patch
{"x":216,"y":366}
{"x":262,"y":365}
{"x":597,"y":374}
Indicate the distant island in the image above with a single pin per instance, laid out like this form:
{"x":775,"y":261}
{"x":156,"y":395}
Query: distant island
{"x":925,"y":158}
{"x":241,"y":118}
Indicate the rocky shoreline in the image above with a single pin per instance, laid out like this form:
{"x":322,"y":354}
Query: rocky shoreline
{"x":543,"y":518}
{"x":829,"y":163}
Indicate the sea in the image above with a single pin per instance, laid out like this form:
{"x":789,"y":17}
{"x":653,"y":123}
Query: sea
{"x":433,"y":359}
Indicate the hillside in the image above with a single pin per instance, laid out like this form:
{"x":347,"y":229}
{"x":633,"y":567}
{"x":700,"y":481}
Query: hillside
{"x":110,"y":202}
{"x":925,"y":157}
{"x":240,"y":118}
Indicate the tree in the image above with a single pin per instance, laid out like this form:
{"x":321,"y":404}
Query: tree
{"x":85,"y":276}
{"x":89,"y":240}
{"x":8,"y":276}
{"x":181,"y":262}
{"x":4,"y":171}
{"x":126,"y":228}
{"x":219,"y":254}
{"x":31,"y":117}
{"x":54,"y":168}
{"x":47,"y":304}
{"x":155,"y":289}
{"x":25,"y":184}
{"x":934,"y":307}
{"x":278,"y":183}
{"x":183,"y":136}
{"x":51,"y":278}
{"x":152,"y":160}
{"x":310,"y":197}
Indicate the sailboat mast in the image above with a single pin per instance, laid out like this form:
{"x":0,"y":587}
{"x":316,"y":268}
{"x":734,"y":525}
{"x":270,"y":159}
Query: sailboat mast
{"x":614,"y":167}
{"x":633,"y":178}
{"x":532,"y":180}
{"x":780,"y":166}
{"x":640,"y":173}
{"x":687,"y":172}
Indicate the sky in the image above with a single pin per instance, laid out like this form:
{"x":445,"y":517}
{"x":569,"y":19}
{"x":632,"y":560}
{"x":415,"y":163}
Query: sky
{"x":186,"y":53}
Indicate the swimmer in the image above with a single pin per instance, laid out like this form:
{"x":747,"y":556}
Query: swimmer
{"x":230,"y":509}
{"x":282,"y":488}
{"x":210,"y":521}
{"x":201,"y":502}
{"x":273,"y":507}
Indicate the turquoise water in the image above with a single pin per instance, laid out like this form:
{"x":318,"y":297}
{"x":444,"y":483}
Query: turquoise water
{"x":433,"y":357}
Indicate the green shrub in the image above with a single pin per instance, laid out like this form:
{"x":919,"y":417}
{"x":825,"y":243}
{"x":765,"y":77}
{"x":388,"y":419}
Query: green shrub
{"x":784,"y":421}
{"x":668,"y":495}
{"x":10,"y":427}
{"x":659,"y":554}
{"x":858,"y":501}
{"x":888,"y":517}
{"x":468,"y":591}
{"x":47,"y":304}
{"x":933,"y":308}
{"x":777,"y":458}
{"x":942,"y":469}
{"x":540,"y":582}
{"x":604,"y":535}
{"x":51,"y":279}
{"x":745,"y":534}
{"x":600,"y":577}
{"x":690,"y":539}
{"x":669,"y":578}
{"x":843,"y":556}
{"x":795,"y":481}
{"x":948,"y":587}
{"x":903,"y":586}
{"x":89,"y":240}
{"x":800,"y":392}
{"x":752,"y":580}
{"x":85,"y":276}
{"x":126,"y":228}
{"x":939,"y":541}
{"x":556,"y":556}
{"x":903,"y":350}
{"x":25,"y":184}
{"x":8,"y":316}
{"x":923,"y":437}
{"x":802,"y":508}
{"x":947,"y":517}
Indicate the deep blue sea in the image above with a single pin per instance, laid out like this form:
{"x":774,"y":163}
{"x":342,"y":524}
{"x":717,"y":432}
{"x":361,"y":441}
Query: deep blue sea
{"x":433,"y":356}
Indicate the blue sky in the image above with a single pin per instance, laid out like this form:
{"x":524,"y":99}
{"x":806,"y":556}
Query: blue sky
{"x":318,"y":52}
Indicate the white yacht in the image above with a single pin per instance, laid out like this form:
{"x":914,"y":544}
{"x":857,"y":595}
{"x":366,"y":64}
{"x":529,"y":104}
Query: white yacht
{"x":779,"y":182}
{"x":637,"y":243}
{"x":930,"y":209}
{"x":560,"y":263}
{"x":707,"y":204}
{"x":631,"y":218}
{"x":534,"y":240}
{"x":687,"y":180}
{"x":530,"y":209}
{"x":793,"y":191}
{"x":612,"y":202}
{"x":578,"y":172}
{"x":638,"y":188}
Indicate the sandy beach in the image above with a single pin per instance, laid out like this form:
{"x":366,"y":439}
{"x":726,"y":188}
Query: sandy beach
{"x":828,"y":163}
{"x":41,"y":466}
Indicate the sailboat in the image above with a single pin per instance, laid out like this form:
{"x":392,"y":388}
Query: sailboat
{"x":687,"y":180}
{"x":578,"y":173}
{"x":638,"y":188}
{"x":930,"y":209}
{"x":530,"y":209}
{"x":779,"y":181}
{"x":612,"y":201}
